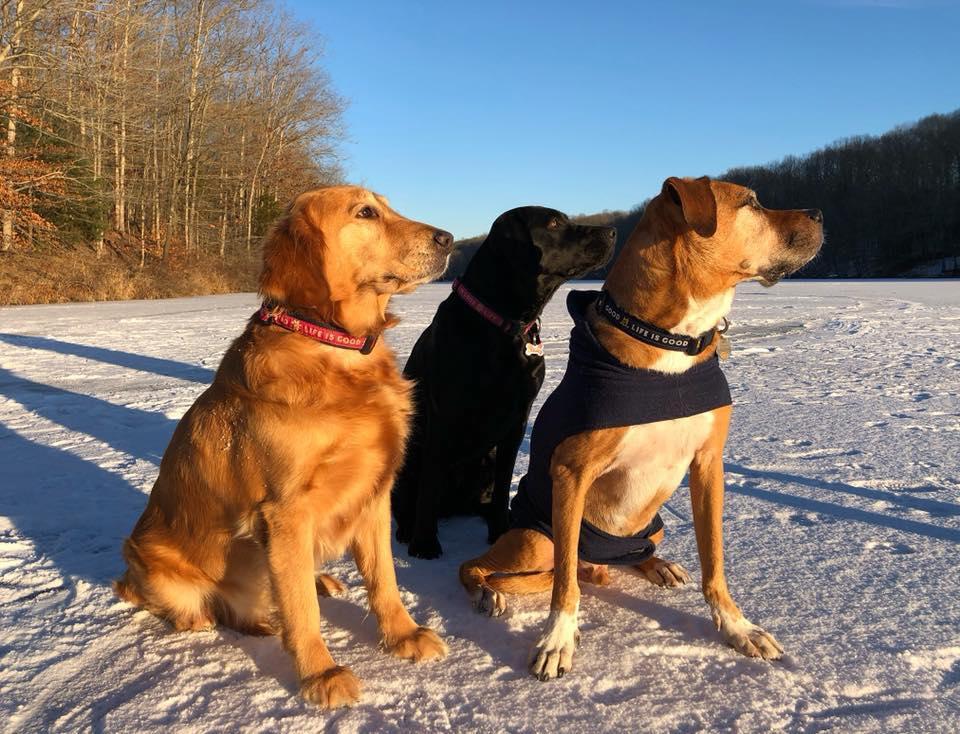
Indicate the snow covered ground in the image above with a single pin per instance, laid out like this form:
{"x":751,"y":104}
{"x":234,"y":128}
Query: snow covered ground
{"x":842,"y":527}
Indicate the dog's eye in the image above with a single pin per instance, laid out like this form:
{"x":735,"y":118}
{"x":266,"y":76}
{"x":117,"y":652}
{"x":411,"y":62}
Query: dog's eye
{"x":368,"y":212}
{"x":554,"y":223}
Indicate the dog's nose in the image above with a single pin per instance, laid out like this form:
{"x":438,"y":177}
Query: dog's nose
{"x":443,"y":238}
{"x":815,"y":214}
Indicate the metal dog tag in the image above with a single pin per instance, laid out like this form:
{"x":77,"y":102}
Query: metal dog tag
{"x":530,"y":349}
{"x":723,"y":347}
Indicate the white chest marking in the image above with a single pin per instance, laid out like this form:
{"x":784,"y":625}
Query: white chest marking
{"x":700,"y":317}
{"x":651,"y":460}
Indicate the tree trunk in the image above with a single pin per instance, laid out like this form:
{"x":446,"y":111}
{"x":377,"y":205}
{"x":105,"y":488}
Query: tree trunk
{"x":196,"y":56}
{"x":120,"y":129}
{"x":10,"y":147}
{"x":223,"y":213}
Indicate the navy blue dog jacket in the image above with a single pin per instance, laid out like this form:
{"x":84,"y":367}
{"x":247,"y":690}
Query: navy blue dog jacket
{"x":598,"y":391}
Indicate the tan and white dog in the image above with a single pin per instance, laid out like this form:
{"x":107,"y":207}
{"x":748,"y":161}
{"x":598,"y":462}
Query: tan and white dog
{"x":697,"y":240}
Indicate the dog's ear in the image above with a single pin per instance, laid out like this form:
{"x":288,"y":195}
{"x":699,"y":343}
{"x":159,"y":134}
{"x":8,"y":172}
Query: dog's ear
{"x":299,"y":266}
{"x":696,"y":202}
{"x":512,"y":226}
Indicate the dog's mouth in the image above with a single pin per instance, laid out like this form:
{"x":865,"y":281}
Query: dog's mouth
{"x":800,"y":249}
{"x":780,"y":269}
{"x":421,"y":274}
{"x":771,"y":276}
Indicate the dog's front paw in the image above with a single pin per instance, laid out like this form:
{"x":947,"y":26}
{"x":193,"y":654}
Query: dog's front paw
{"x":490,"y":602}
{"x":552,"y":656}
{"x":428,"y":548}
{"x":746,"y":637}
{"x":332,"y":689}
{"x":421,"y":644}
{"x":664,"y":573}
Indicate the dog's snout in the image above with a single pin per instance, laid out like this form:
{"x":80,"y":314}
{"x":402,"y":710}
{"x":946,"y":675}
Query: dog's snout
{"x":443,"y":238}
{"x":815,"y":214}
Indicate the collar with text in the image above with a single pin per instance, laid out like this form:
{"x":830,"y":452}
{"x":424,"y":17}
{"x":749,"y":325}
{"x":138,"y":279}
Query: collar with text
{"x":274,"y":313}
{"x":648,"y":333}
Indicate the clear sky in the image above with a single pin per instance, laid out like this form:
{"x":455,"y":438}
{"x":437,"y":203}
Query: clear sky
{"x":458,"y":111}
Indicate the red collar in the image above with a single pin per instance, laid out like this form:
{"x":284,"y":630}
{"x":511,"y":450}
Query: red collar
{"x":508,"y":326}
{"x":276,"y":314}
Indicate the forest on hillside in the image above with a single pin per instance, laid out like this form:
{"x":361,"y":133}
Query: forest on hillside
{"x":146,"y":145}
{"x":154,"y":133}
{"x":891,"y":203}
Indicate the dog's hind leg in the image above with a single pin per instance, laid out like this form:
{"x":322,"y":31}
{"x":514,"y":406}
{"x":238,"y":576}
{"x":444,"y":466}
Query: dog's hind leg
{"x":520,"y":562}
{"x":662,"y":572}
{"x":244,"y":595}
{"x":160,"y":579}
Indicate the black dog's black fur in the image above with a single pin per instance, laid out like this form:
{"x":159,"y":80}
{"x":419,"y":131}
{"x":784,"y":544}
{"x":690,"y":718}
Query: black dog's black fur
{"x":475,"y":383}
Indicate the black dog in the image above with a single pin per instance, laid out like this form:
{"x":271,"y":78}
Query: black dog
{"x":478,"y":368}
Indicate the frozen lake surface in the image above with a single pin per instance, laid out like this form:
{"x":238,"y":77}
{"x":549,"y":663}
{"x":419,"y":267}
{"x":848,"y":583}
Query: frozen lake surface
{"x":842,"y":537}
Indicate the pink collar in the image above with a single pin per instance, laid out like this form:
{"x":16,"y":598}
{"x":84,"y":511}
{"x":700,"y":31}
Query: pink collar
{"x":271,"y":313}
{"x":530,"y":332}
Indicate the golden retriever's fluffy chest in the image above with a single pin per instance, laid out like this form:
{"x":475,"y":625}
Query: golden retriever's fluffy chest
{"x":648,"y":466}
{"x":340,"y":450}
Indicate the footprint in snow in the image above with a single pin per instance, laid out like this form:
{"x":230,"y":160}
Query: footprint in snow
{"x":897,"y":549}
{"x":822,"y":453}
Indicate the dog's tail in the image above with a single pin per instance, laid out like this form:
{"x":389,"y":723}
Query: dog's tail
{"x":521,"y":583}
{"x":124,"y":586}
{"x":479,"y":573}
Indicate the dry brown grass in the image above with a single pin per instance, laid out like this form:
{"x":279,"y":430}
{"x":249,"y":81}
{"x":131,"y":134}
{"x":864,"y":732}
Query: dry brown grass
{"x":61,"y":276}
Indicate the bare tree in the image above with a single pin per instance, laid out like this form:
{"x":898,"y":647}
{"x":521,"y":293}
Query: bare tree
{"x":170,"y":119}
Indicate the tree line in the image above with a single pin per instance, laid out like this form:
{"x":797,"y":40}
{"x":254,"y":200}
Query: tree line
{"x":891,"y":203}
{"x":175,"y":125}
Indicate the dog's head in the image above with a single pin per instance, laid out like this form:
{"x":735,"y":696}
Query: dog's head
{"x":730,"y":233}
{"x":544,"y":242}
{"x":336,"y":242}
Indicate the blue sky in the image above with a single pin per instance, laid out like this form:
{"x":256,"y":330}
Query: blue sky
{"x":458,"y":111}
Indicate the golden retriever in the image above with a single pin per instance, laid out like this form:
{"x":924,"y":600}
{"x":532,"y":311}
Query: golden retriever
{"x":288,"y":458}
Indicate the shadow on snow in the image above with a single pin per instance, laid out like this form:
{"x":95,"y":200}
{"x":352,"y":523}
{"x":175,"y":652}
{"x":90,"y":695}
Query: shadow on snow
{"x":143,"y":363}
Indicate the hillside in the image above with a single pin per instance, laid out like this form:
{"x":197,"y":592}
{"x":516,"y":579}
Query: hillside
{"x":891,"y":203}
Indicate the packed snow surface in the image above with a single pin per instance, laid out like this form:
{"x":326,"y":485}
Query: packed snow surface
{"x":842,"y":529}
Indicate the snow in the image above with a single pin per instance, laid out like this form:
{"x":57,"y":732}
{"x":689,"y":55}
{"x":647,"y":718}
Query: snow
{"x":842,"y":532}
